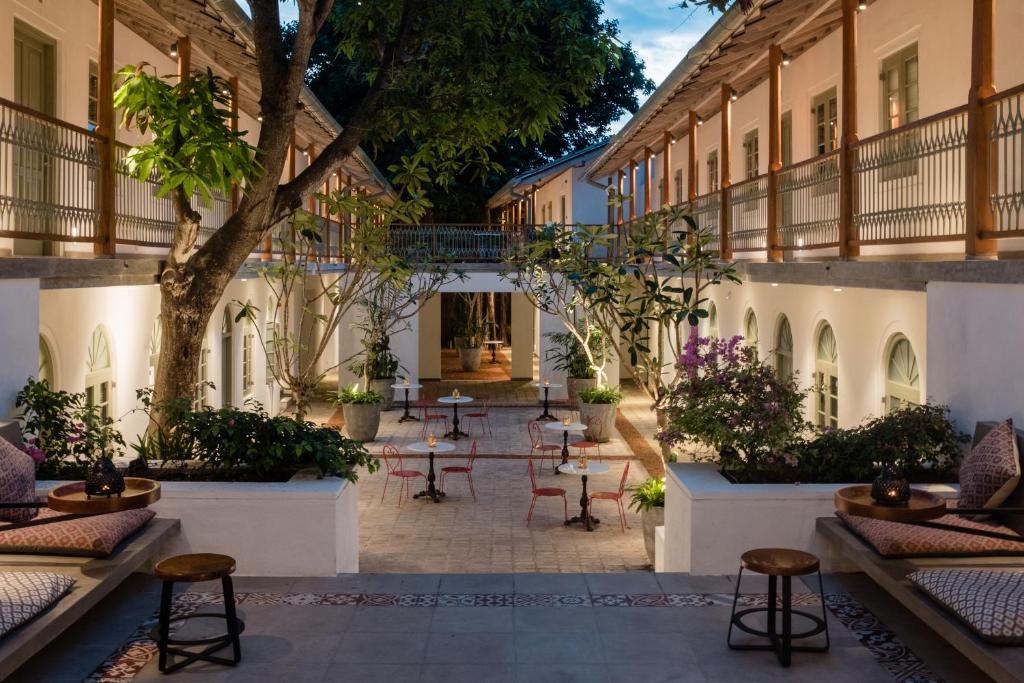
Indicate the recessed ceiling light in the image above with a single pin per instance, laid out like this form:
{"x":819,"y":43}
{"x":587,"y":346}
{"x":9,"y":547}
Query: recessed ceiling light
{"x":837,"y":289}
{"x":775,"y":284}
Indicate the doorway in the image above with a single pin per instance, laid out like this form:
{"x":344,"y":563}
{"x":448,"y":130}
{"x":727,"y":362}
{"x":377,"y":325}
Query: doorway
{"x":33,"y":169}
{"x":475,"y":336}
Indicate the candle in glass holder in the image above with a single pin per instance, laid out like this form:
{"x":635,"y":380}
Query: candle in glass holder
{"x":581,"y":463}
{"x":431,"y":440}
{"x":455,"y":394}
{"x":405,"y":381}
{"x":566,"y":422}
{"x":547,"y":381}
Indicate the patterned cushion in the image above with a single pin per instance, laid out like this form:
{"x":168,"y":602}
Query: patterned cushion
{"x":23,"y":595}
{"x":17,"y":482}
{"x":990,"y":603}
{"x":895,"y":539}
{"x":990,"y":473}
{"x":95,"y":536}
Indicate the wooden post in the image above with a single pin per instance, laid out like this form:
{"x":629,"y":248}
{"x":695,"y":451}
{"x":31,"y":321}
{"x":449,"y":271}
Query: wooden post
{"x":106,"y":244}
{"x":344,"y":249}
{"x":691,"y":163}
{"x":325,"y":211}
{"x":648,"y":157}
{"x":666,"y":171}
{"x":289,"y":251}
{"x":632,"y":190}
{"x":233,"y":87}
{"x":979,"y":158}
{"x":773,"y":243}
{"x":848,"y":115}
{"x":620,"y":219}
{"x":725,"y":172}
{"x":611,"y":210}
{"x":184,"y":58}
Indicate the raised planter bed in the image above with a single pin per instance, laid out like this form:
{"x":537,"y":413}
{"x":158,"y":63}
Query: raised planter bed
{"x":710,"y":522}
{"x":302,"y":527}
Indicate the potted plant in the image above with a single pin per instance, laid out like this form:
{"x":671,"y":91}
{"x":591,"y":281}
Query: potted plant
{"x":570,"y":356}
{"x":649,"y":500}
{"x":601,"y":402}
{"x":468,"y":345}
{"x":378,"y":367}
{"x":361,"y":409}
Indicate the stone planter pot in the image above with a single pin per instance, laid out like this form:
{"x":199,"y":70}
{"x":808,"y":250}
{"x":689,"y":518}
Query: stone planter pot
{"x":650,"y":519}
{"x":470,"y":359}
{"x":577,"y":384}
{"x":605,"y":411}
{"x":383,"y":387}
{"x":362,"y":420}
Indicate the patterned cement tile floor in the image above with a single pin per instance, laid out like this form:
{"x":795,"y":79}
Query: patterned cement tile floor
{"x":501,"y":627}
{"x":490,"y":534}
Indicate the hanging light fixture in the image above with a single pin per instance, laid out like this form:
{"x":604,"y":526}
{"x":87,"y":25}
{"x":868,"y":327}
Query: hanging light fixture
{"x":174,"y":50}
{"x":733,"y":96}
{"x":785,"y":59}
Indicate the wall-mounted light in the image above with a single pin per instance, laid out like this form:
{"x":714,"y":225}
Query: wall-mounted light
{"x":673,"y":140}
{"x":733,"y":96}
{"x":174,"y":50}
{"x":861,"y":6}
{"x":837,"y":289}
{"x":785,"y":59}
{"x":775,"y":284}
{"x":259,"y":117}
{"x":225,"y":91}
{"x":700,"y":120}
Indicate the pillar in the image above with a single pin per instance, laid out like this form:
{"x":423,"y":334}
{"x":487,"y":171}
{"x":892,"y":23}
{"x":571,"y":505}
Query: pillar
{"x":648,"y":158}
{"x":774,"y":150}
{"x":233,"y":123}
{"x":691,"y":162}
{"x":430,"y":338}
{"x":523,"y":335}
{"x":666,"y":171}
{"x":725,"y":172}
{"x":848,"y":128}
{"x":632,"y":190}
{"x":979,"y":158}
{"x":106,"y":243}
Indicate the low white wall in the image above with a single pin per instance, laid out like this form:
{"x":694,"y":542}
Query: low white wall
{"x":304,"y":527}
{"x":710,"y":522}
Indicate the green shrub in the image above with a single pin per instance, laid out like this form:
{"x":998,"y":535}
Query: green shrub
{"x":376,"y":361}
{"x":569,"y":355}
{"x":353,"y":395}
{"x":250,"y":445}
{"x":602,"y":394}
{"x":63,"y":431}
{"x":650,"y":494}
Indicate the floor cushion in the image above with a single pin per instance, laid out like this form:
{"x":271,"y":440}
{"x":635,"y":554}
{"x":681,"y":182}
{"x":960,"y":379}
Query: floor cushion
{"x":23,"y":595}
{"x":17,"y":482}
{"x":990,"y":603}
{"x":895,"y":539}
{"x":95,"y":536}
{"x":991,"y":471}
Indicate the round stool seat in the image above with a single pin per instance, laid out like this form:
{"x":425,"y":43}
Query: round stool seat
{"x":779,"y":562}
{"x":195,"y":567}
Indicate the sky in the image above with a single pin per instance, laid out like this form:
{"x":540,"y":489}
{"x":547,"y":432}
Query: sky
{"x":659,"y":32}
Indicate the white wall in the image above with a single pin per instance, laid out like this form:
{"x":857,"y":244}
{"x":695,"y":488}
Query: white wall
{"x":19,"y":339}
{"x":863,"y":321}
{"x":974,"y":348}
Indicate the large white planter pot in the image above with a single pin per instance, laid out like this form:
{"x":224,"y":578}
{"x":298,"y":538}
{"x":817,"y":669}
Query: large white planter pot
{"x":650,"y":520}
{"x":383,"y":387}
{"x":470,"y":359}
{"x":605,"y":411}
{"x":710,"y":522}
{"x":576,"y":385}
{"x":303,"y":527}
{"x":361,"y":420}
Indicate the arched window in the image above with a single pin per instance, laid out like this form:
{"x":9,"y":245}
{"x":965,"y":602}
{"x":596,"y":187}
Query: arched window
{"x":201,"y":397}
{"x":783,"y":349}
{"x":46,"y":372}
{"x":902,"y":379}
{"x":750,"y":328}
{"x":226,"y":357}
{"x":155,"y":336}
{"x":826,"y":377}
{"x":248,"y":343}
{"x":99,"y":378}
{"x":712,"y":320}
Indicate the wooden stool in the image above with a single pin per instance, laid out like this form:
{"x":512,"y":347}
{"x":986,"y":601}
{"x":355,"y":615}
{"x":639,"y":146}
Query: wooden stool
{"x":192,"y":568}
{"x":775,"y":563}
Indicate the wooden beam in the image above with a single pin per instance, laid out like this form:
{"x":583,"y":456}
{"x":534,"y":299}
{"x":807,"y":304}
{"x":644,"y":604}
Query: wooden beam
{"x":979,"y":157}
{"x":725,"y":171}
{"x":184,"y":58}
{"x":632,"y":189}
{"x":621,"y":189}
{"x":325,"y":211}
{"x":666,"y":171}
{"x":106,"y":243}
{"x":648,"y":158}
{"x":611,"y":210}
{"x":774,"y":150}
{"x":848,"y":128}
{"x":691,"y":162}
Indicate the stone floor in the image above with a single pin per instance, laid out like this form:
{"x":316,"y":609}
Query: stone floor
{"x":500,"y":627}
{"x":490,"y":534}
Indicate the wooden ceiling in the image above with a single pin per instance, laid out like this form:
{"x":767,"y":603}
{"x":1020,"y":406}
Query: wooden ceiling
{"x":225,"y":47}
{"x":740,"y":59}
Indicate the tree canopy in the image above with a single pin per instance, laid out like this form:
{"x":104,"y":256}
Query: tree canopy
{"x":530,"y":81}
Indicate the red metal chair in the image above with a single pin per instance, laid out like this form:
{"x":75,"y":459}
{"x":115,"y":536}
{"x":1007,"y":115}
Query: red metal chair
{"x":427,"y":417}
{"x":393,"y":463}
{"x":483,"y":416}
{"x":466,"y":469}
{"x":595,"y":427}
{"x":612,"y":495}
{"x":540,"y":492}
{"x":549,"y":450}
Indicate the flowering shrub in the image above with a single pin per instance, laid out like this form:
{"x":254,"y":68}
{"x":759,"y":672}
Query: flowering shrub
{"x":62,"y":432}
{"x":726,"y":398}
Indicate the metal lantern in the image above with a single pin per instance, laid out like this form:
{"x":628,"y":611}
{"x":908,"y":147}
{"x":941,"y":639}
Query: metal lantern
{"x":890,"y":487}
{"x":104,"y":479}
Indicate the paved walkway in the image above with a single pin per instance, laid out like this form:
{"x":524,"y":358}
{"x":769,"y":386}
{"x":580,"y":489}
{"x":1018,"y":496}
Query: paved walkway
{"x":493,"y":628}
